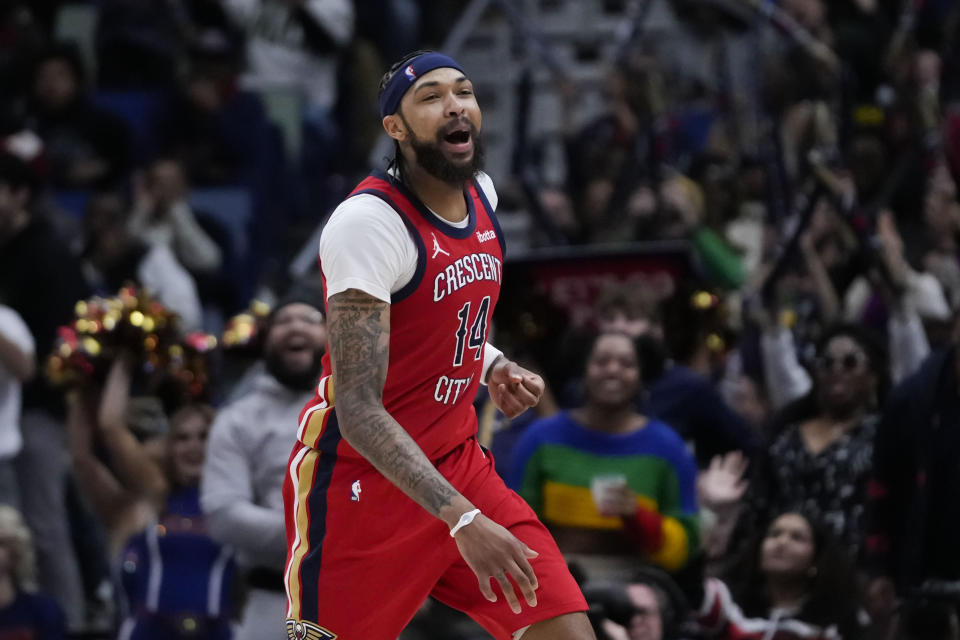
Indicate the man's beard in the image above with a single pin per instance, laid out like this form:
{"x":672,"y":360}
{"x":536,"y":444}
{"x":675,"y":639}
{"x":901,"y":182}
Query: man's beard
{"x":431,"y":158}
{"x":304,"y":380}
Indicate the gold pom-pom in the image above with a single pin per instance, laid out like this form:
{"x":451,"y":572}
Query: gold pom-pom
{"x":91,"y":346}
{"x":715,"y":343}
{"x":703,"y":300}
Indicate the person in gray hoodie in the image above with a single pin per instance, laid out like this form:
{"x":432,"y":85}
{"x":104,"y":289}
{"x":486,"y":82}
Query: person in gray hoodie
{"x":247,"y":455}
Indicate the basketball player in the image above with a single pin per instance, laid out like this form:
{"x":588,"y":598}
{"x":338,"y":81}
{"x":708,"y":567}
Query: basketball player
{"x":389,"y":497}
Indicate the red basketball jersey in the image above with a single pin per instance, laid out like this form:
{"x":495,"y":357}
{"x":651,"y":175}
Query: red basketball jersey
{"x":438,"y":326}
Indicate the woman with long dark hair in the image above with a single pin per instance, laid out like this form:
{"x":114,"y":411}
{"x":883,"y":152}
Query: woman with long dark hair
{"x":793,"y":581}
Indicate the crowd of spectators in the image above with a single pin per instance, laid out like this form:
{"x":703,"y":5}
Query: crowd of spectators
{"x":764,"y":449}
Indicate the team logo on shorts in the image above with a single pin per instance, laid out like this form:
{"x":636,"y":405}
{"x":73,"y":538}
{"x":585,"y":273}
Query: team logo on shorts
{"x":410,"y":73}
{"x":300,"y":630}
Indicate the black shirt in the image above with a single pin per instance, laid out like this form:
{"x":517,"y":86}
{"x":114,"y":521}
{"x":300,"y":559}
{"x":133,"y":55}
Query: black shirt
{"x":40,"y":279}
{"x":943,"y":520}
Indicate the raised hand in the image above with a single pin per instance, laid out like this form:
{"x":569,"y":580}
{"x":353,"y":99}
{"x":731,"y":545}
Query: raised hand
{"x":722,"y":485}
{"x":892,"y":244}
{"x":495,"y":553}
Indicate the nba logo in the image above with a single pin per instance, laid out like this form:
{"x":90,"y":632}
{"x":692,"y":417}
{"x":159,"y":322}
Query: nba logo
{"x":410,"y":73}
{"x":355,"y":491}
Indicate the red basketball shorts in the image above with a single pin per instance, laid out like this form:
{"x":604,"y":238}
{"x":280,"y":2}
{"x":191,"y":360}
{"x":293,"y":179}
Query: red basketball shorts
{"x":362,"y":556}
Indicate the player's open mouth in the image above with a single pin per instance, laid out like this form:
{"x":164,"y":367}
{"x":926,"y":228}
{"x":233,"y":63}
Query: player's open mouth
{"x":459,"y":140}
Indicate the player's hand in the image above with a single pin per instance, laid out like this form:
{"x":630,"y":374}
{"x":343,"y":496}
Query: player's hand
{"x":496,"y":554}
{"x":512,"y":388}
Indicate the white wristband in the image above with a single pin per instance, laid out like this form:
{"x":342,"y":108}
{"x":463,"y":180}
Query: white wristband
{"x":465,"y":519}
{"x":490,"y":355}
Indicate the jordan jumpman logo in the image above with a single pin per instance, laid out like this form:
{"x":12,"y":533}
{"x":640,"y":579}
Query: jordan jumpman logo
{"x":437,"y":249}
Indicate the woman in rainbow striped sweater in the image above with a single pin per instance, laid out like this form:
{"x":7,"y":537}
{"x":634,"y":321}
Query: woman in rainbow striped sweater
{"x":608,"y":481}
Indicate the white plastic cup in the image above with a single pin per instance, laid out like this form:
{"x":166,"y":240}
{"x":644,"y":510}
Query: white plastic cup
{"x":602,"y":483}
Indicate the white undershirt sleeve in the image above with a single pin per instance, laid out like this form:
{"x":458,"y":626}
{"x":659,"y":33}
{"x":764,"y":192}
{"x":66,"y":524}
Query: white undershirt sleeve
{"x":365,"y":245}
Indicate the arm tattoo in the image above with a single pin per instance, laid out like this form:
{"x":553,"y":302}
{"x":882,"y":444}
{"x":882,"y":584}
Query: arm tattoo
{"x":359,"y":327}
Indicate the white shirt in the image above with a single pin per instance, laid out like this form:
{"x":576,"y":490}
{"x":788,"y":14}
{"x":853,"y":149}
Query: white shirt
{"x":277,"y":54}
{"x":179,"y":230}
{"x":242,"y":487}
{"x":13,"y":327}
{"x":165,"y":279}
{"x":388,"y":258}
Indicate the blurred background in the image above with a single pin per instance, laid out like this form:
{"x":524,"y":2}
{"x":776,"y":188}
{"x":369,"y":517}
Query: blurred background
{"x":760,"y":194}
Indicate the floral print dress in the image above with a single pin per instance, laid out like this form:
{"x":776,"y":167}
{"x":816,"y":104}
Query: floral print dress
{"x":830,"y":486}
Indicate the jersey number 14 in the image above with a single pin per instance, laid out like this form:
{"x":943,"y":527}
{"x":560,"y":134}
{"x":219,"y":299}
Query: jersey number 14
{"x":477,"y":335}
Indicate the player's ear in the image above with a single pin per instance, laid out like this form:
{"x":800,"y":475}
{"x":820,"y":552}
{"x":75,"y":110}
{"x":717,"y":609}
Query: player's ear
{"x":393,"y":125}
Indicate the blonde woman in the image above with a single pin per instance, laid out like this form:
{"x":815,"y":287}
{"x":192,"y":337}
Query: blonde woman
{"x":23,"y":612}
